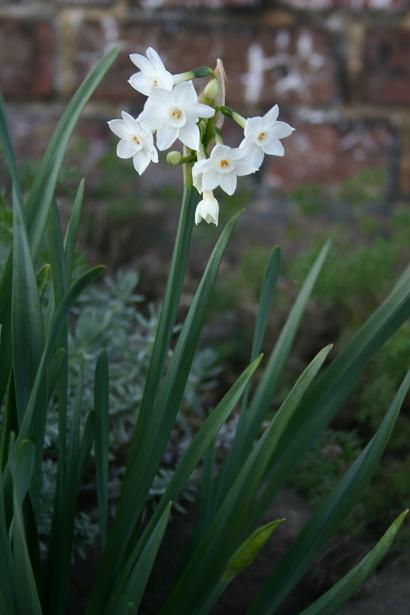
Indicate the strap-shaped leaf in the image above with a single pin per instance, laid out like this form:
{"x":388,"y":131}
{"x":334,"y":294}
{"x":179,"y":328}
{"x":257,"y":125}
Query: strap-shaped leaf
{"x":198,"y":447}
{"x":27,"y":325}
{"x":207,"y":564}
{"x":101,"y":404}
{"x":249,"y":549}
{"x":334,"y":386}
{"x":134,"y":590}
{"x":340,"y":593}
{"x":262,"y":398}
{"x":153,"y":429}
{"x":73,"y":226}
{"x":22,"y":465}
{"x":233,"y":458}
{"x":330,"y":515}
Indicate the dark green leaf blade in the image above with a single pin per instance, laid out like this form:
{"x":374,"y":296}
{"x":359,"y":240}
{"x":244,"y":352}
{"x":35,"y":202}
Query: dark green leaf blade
{"x":340,"y":593}
{"x":311,"y":541}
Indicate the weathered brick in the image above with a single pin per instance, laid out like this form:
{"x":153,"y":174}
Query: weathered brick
{"x":192,"y":4}
{"x":265,"y":65}
{"x":327,"y":154}
{"x":386,"y":67}
{"x":354,"y":5}
{"x":26,"y":57}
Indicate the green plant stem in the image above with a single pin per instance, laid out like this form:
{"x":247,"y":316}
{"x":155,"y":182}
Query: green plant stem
{"x":116,"y":550}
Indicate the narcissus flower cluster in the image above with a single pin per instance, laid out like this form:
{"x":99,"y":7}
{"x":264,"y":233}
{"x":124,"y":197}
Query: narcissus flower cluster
{"x":173,"y":112}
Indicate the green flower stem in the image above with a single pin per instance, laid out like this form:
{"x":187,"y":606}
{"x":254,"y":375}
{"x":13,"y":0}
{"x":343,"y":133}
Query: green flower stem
{"x":126,"y":520}
{"x":236,"y":117}
{"x":196,"y":73}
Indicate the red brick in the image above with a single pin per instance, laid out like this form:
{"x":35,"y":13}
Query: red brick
{"x":386,"y":67}
{"x":26,"y":56}
{"x":265,"y":65}
{"x":326,"y":154}
{"x":354,"y":5}
{"x":192,"y":4}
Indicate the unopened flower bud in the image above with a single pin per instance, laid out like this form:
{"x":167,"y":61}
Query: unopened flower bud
{"x":174,"y":157}
{"x":211,"y":89}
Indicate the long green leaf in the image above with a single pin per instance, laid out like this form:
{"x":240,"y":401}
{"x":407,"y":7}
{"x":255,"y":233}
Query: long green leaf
{"x":153,"y":430}
{"x":138,"y":579}
{"x":206,"y":566}
{"x":101,"y":404}
{"x":61,"y":536}
{"x":27,"y":326}
{"x":198,"y":447}
{"x":262,"y":399}
{"x":333,"y":387}
{"x":58,"y":321}
{"x":233,"y":457}
{"x":340,"y":593}
{"x":73,"y":226}
{"x":6,"y":145}
{"x":249,"y":549}
{"x":42,"y":191}
{"x":330,"y":515}
{"x":22,"y":458}
{"x":41,"y":195}
{"x":8,"y":602}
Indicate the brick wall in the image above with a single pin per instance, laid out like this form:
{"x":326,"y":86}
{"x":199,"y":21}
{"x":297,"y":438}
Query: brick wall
{"x":339,"y":69}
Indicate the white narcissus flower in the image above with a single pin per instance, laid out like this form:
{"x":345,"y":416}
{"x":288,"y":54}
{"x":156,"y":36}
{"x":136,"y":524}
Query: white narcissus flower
{"x":153,"y":73}
{"x":135,"y":142}
{"x":222,"y":168}
{"x":174,"y":115}
{"x":263,"y":134}
{"x":207,"y":209}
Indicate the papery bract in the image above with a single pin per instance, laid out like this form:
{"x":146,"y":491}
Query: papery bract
{"x":222,"y":168}
{"x":263,"y":134}
{"x":174,"y":115}
{"x":135,"y":142}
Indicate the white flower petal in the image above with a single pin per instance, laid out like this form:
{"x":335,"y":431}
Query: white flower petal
{"x":253,"y":126}
{"x":140,"y":83}
{"x":166,"y":135}
{"x":155,"y":60}
{"x":141,"y":62}
{"x":148,"y":118}
{"x":271,"y":115}
{"x":210,"y":180}
{"x":125,"y":149}
{"x":274,"y":148}
{"x":154,"y":155}
{"x":281,"y":130}
{"x":228,"y":182}
{"x":254,"y":157}
{"x":118,"y":128}
{"x":220,"y":151}
{"x":208,"y":210}
{"x":190,"y":136}
{"x":202,"y":110}
{"x":185,"y":93}
{"x":141,"y":161}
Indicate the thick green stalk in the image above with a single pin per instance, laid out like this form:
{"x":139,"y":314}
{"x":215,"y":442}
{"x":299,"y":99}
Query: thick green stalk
{"x":115,"y":552}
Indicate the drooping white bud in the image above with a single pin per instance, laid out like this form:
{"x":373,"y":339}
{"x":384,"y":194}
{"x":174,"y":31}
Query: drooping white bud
{"x":207,"y":209}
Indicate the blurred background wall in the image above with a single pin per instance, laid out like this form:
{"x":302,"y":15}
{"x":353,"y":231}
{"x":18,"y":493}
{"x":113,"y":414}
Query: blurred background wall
{"x":339,"y":70}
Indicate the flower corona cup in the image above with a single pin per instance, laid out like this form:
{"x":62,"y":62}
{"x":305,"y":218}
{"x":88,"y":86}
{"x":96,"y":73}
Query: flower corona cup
{"x":173,"y":112}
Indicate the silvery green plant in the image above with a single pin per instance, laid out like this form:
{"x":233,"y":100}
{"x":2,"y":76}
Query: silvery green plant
{"x":268,"y":442}
{"x":109,"y":316}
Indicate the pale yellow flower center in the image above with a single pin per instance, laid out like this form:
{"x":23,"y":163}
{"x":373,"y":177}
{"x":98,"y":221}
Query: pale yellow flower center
{"x":261,"y":136}
{"x":224,"y":163}
{"x":136,"y":140}
{"x":176,"y":114}
{"x":154,"y":83}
